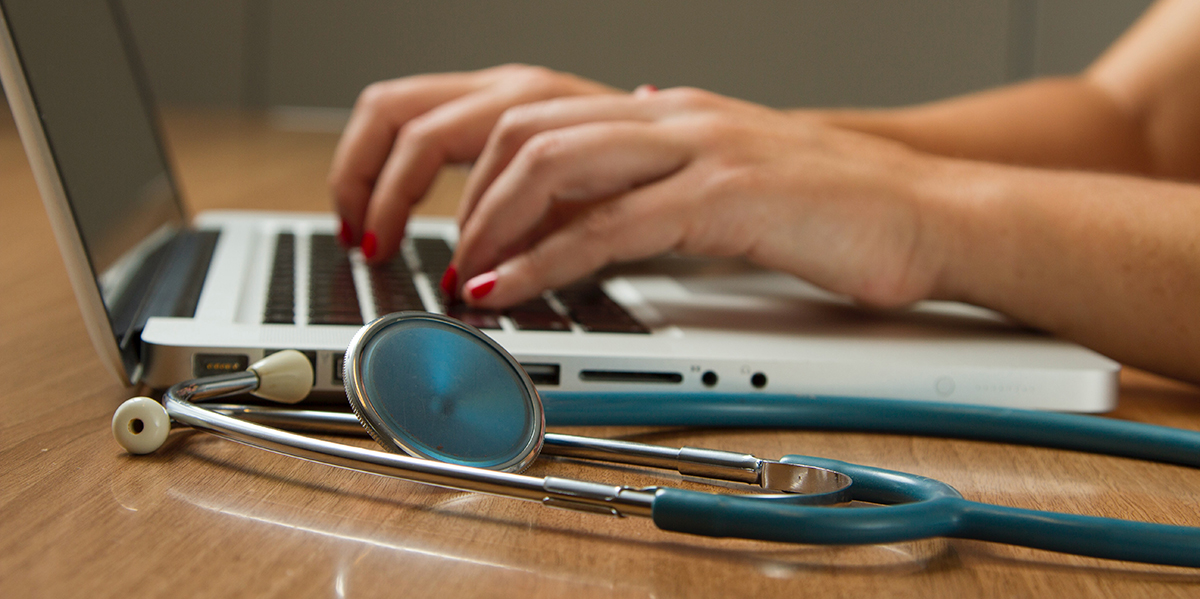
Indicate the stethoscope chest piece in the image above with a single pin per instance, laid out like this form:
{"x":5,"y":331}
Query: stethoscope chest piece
{"x":426,"y":385}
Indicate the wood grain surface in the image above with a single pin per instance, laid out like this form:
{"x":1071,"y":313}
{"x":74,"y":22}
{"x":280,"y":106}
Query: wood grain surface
{"x":209,"y":518}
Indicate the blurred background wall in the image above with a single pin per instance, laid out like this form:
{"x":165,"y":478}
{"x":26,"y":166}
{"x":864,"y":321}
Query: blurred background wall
{"x":320,"y":53}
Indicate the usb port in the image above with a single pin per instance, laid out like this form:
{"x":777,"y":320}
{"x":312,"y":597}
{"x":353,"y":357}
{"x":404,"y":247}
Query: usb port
{"x":542,"y":374}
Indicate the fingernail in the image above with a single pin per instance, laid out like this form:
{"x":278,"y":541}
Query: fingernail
{"x":645,"y":89}
{"x":481,"y":285}
{"x":450,"y":281}
{"x":345,"y":235}
{"x":369,"y":244}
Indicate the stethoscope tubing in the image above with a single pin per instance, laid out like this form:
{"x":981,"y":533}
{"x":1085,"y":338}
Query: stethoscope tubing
{"x":935,"y":510}
{"x":925,"y":509}
{"x":1077,"y":432}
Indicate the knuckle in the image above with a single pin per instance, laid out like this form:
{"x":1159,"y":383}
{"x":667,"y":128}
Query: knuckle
{"x":536,"y":73}
{"x":601,"y":224}
{"x":419,"y":134}
{"x":510,"y":68}
{"x":731,"y":180}
{"x":540,"y":81}
{"x":542,"y":152}
{"x":535,"y":263}
{"x":709,"y":129}
{"x":512,"y":128}
{"x":343,"y":190}
{"x":374,"y":97}
{"x":690,"y":97}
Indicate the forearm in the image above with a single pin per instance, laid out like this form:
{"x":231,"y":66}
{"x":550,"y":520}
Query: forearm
{"x":1057,"y":123}
{"x":1111,"y":262}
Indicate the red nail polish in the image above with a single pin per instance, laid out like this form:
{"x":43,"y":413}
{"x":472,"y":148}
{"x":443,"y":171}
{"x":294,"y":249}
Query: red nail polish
{"x":345,"y":235}
{"x":450,"y":282}
{"x":369,"y":244}
{"x":481,"y":285}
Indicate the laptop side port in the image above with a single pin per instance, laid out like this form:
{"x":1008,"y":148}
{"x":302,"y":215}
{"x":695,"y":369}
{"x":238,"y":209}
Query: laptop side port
{"x":543,"y":374}
{"x":211,"y":364}
{"x":338,"y":363}
{"x":629,"y":376}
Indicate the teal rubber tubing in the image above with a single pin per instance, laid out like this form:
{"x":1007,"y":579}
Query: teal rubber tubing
{"x":926,"y":508}
{"x":733,"y":516}
{"x":1092,"y":434}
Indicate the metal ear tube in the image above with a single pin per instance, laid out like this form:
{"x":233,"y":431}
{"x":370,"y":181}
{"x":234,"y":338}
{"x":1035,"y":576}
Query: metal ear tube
{"x":248,"y":425}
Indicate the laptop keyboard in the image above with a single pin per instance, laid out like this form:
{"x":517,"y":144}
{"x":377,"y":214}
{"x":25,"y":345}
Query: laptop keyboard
{"x":281,"y":294}
{"x":333,"y":298}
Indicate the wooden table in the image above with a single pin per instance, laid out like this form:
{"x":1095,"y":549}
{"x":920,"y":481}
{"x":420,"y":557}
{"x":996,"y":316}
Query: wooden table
{"x":205,"y":517}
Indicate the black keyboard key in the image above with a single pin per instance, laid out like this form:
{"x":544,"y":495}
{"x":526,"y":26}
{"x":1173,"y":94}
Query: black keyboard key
{"x":281,"y":291}
{"x":392,"y":288}
{"x":596,"y":312}
{"x":480,"y":319}
{"x":434,"y":254}
{"x":336,"y":318}
{"x":532,"y":321}
{"x":333,"y":298}
{"x":279,"y":317}
{"x":537,"y":315}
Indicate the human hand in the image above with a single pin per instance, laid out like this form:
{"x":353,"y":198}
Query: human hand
{"x":403,"y":131}
{"x":567,"y":186}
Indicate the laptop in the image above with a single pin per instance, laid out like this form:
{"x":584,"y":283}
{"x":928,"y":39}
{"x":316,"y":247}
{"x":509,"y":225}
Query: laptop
{"x":166,"y":297}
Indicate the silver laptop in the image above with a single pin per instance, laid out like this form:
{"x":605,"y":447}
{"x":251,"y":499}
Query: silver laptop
{"x":166,"y":299}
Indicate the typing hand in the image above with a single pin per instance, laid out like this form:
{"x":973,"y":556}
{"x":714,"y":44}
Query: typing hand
{"x":566,"y":186}
{"x":403,"y":131}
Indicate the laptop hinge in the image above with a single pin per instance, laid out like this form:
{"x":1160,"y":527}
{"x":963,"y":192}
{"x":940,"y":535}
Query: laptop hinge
{"x":173,"y":288}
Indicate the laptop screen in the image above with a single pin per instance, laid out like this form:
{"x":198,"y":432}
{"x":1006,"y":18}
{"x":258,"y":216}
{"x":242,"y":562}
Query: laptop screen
{"x":96,"y":113}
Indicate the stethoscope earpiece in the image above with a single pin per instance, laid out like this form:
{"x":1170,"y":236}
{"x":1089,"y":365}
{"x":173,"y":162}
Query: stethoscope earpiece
{"x":284,"y":377}
{"x":141,"y":425}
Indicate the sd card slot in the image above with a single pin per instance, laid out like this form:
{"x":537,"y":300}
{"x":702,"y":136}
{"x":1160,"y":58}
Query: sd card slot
{"x":629,"y":376}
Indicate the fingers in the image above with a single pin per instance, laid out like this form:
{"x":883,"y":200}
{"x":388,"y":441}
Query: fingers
{"x":517,"y":125}
{"x":381,"y":110}
{"x":639,"y":224}
{"x":402,"y":132}
{"x":576,"y":164}
{"x":453,"y":132}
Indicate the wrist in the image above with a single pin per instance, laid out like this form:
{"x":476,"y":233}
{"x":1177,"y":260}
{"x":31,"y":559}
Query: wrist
{"x":957,"y":200}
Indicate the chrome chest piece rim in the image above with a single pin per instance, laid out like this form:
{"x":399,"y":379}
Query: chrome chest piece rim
{"x":433,"y":387}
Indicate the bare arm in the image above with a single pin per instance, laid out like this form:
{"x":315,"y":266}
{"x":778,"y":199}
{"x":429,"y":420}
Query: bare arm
{"x":1136,"y":110}
{"x":1109,"y":261}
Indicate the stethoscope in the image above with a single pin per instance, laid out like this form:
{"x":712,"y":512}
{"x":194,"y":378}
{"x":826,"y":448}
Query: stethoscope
{"x":454,"y":409}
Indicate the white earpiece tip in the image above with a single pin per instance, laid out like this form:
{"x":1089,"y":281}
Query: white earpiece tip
{"x":141,"y":425}
{"x":284,"y":376}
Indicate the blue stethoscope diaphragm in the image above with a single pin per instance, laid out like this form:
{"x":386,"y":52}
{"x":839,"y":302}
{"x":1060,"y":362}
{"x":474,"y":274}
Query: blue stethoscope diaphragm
{"x":426,"y":385}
